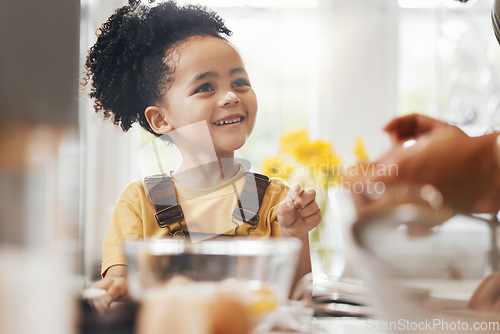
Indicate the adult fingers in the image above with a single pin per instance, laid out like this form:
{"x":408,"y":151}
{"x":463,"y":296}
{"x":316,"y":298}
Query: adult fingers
{"x":406,"y":127}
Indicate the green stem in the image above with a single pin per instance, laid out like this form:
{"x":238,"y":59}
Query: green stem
{"x":323,"y":201}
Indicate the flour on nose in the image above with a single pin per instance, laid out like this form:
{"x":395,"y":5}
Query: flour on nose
{"x":230,"y":96}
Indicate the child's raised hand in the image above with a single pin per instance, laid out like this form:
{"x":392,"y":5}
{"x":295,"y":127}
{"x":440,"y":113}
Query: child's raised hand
{"x":298,"y":213}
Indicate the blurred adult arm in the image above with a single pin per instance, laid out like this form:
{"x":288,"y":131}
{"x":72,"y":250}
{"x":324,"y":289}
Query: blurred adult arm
{"x":465,"y":169}
{"x":487,"y":294}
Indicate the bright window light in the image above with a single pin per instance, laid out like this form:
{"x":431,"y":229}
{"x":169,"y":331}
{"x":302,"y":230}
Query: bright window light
{"x":451,"y":4}
{"x":255,"y":3}
{"x":418,"y":3}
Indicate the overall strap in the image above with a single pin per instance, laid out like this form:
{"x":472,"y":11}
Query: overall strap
{"x":250,"y":202}
{"x":162,"y":194}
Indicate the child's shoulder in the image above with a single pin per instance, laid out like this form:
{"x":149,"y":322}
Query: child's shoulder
{"x":276,"y":181}
{"x":278,"y":185}
{"x":134,"y":191}
{"x":135,"y":185}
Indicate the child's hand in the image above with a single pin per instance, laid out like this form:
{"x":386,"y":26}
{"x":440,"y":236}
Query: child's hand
{"x":115,"y":283}
{"x":298,"y":213}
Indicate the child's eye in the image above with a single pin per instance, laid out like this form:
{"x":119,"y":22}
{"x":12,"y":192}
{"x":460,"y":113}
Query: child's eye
{"x":206,"y":87}
{"x":241,"y":82}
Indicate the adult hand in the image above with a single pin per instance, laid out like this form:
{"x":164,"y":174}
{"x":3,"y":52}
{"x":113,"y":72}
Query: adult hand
{"x":463,"y":168}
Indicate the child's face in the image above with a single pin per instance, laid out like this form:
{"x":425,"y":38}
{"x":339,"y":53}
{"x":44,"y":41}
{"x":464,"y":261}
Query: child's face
{"x":210,"y":84}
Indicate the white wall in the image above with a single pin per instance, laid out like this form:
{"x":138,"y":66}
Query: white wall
{"x":359,"y":63}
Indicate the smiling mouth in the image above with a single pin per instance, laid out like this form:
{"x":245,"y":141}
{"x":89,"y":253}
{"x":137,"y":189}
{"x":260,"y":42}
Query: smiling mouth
{"x":229,"y":121}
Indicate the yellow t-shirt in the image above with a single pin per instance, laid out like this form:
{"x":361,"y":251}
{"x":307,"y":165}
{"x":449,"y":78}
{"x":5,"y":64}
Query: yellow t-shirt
{"x":207,"y":210}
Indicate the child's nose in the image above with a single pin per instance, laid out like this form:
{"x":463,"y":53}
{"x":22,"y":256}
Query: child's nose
{"x":230,"y":99}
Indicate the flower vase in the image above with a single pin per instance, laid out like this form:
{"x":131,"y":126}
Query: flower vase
{"x":328,"y":240}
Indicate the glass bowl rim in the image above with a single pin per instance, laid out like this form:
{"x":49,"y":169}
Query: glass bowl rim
{"x":238,"y":247}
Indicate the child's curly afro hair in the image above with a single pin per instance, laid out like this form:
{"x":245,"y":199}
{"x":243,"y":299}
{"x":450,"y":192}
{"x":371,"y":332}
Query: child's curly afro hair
{"x":127,"y":65}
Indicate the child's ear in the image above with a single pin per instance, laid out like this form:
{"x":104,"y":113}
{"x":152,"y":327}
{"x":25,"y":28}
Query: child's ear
{"x":156,"y":120}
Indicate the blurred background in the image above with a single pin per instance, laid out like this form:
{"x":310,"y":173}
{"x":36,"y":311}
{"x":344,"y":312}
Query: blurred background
{"x":40,"y":176}
{"x":338,"y":68}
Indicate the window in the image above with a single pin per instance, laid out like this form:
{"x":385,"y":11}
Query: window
{"x":449,"y":63}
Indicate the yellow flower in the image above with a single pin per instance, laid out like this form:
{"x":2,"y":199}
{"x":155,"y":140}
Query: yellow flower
{"x":277,"y":167}
{"x":309,"y":162}
{"x":319,"y":156}
{"x":360,"y":151}
{"x":293,"y":139}
{"x":312,"y":153}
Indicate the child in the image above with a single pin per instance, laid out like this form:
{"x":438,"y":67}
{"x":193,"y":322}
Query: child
{"x":171,"y":69}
